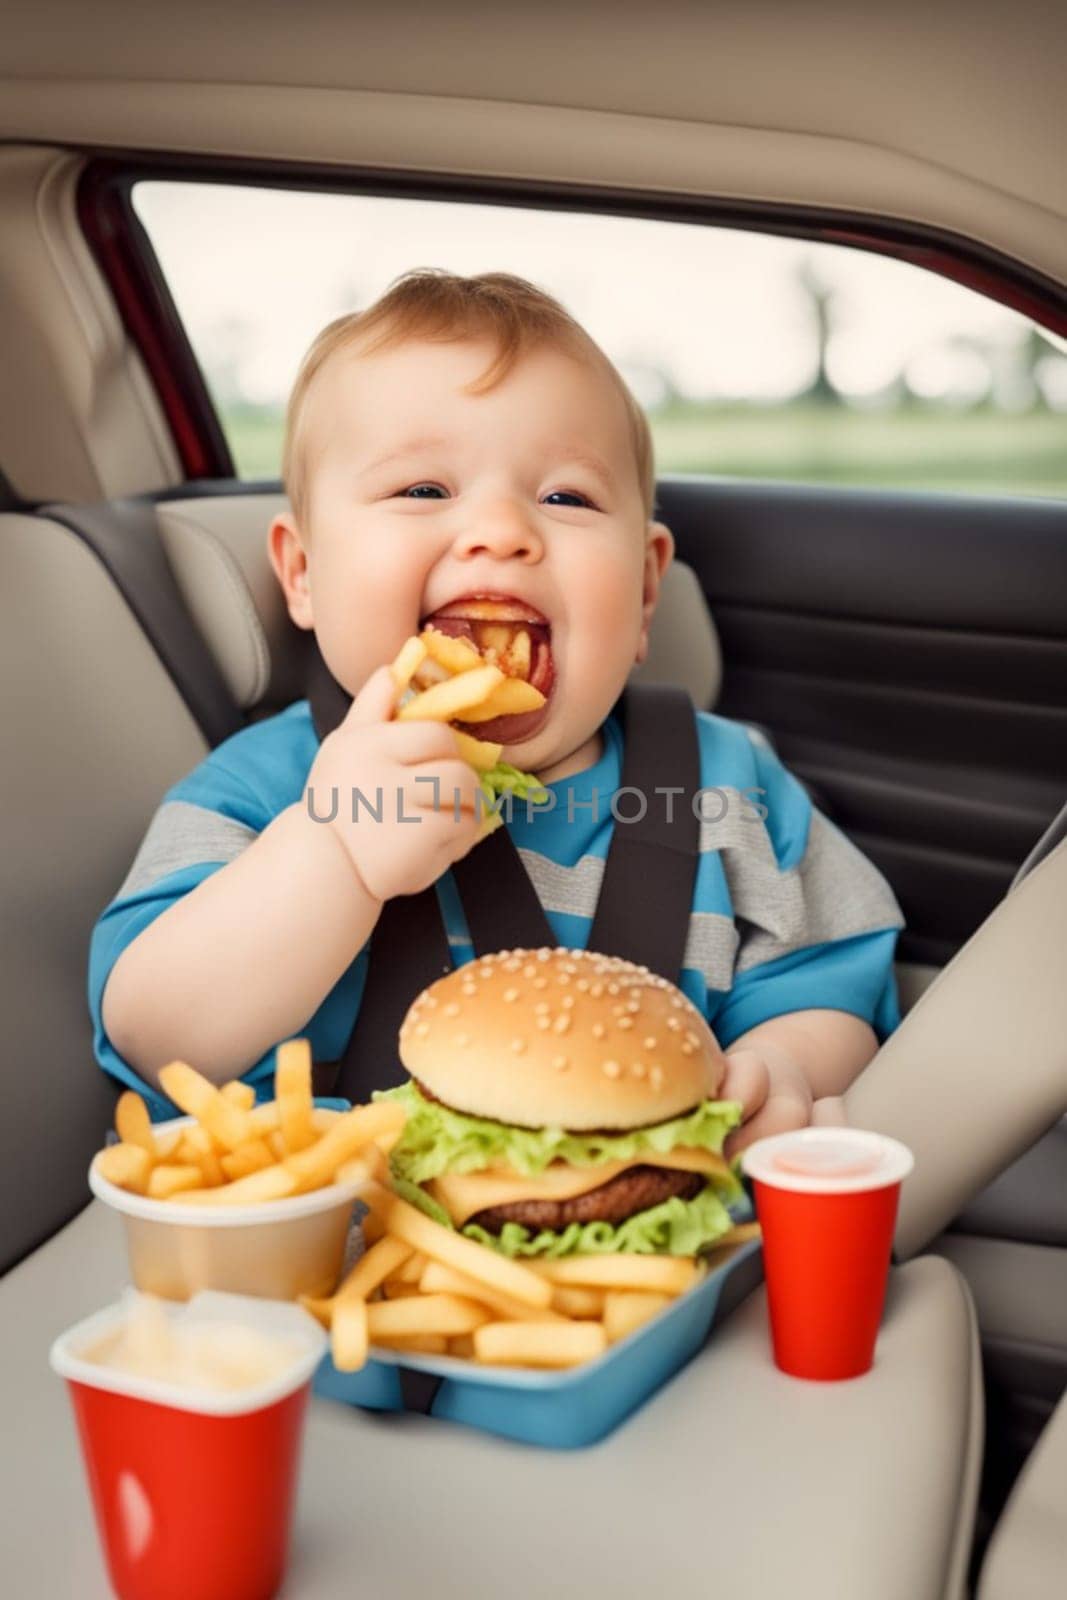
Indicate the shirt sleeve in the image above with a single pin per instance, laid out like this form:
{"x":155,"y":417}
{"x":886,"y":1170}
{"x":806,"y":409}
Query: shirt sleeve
{"x":203,"y":823}
{"x":817,"y":922}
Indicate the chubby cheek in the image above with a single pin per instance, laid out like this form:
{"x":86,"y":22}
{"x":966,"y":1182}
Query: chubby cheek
{"x":604,"y":621}
{"x":364,"y":606}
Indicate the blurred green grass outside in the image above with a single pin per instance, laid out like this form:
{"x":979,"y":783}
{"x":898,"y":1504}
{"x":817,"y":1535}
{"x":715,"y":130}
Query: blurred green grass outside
{"x":979,"y":452}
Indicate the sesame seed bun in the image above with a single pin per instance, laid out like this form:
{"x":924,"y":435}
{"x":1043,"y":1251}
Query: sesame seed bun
{"x":561,"y":1038}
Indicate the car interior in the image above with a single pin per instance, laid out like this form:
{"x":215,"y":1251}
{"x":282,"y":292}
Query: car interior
{"x":904,"y":651}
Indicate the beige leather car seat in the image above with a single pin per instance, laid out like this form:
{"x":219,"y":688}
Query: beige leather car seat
{"x":94,"y":732}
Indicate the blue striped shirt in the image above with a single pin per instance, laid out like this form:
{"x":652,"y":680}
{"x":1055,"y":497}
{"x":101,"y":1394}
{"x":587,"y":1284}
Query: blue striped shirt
{"x":787,"y":913}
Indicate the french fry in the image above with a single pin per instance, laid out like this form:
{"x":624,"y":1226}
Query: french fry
{"x":510,"y":696}
{"x":409,"y":659}
{"x":481,"y":754}
{"x":627,"y":1309}
{"x":455,"y":655}
{"x":320,"y":1307}
{"x":578,"y":1302}
{"x":349,"y":1335}
{"x":167,"y":1144}
{"x":133,"y":1124}
{"x":263,"y":1119}
{"x":276,"y":1144}
{"x":125,"y":1165}
{"x":413,"y":1268}
{"x":315,"y":1167}
{"x":430,"y":1344}
{"x":372,"y":1227}
{"x":740,"y":1233}
{"x":438,"y":1279}
{"x":273,"y":1183}
{"x":446,"y":700}
{"x":371,"y":1163}
{"x":462,"y":1345}
{"x":241,"y":1095}
{"x":195,"y":1095}
{"x":292,"y":1092}
{"x":197,"y":1149}
{"x":165,"y":1181}
{"x":250,"y":1157}
{"x":664,"y":1274}
{"x":393,"y":1289}
{"x":424,"y":1313}
{"x":373,"y":1268}
{"x":441,"y":1244}
{"x":539,"y":1344}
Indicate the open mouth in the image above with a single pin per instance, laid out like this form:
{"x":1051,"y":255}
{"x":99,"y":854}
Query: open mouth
{"x":511,"y":635}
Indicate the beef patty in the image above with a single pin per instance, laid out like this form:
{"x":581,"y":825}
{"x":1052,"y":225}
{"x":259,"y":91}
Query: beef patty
{"x":636,"y":1189}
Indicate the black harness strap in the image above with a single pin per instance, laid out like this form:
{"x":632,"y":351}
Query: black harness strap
{"x":647,"y":892}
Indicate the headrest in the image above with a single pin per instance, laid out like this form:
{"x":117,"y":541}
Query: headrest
{"x":217,"y":546}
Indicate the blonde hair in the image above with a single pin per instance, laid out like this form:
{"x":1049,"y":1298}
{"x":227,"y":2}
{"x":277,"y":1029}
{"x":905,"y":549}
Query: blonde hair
{"x":431,"y":303}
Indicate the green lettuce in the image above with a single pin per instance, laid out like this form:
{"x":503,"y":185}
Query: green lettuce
{"x":437,"y":1139}
{"x":504,"y":779}
{"x":675,"y":1227}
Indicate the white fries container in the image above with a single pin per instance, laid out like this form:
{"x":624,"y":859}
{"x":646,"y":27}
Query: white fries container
{"x":276,"y":1250}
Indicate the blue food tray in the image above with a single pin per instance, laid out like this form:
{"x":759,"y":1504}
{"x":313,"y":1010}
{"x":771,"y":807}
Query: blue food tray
{"x":562,"y":1410}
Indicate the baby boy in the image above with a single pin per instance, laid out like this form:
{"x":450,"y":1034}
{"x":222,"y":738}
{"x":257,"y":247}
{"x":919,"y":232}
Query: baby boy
{"x":464,"y":451}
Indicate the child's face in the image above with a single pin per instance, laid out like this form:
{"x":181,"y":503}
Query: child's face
{"x":481,"y":497}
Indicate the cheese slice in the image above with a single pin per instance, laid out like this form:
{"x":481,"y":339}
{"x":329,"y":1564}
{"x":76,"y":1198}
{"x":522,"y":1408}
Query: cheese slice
{"x":463,"y":1194}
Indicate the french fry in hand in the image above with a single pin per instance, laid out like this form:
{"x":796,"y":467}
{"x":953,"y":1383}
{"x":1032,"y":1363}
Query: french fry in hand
{"x":511,"y":696}
{"x":447,"y":700}
{"x":481,"y":754}
{"x":409,"y":659}
{"x":539,"y":1344}
{"x":455,"y":655}
{"x":200,"y":1099}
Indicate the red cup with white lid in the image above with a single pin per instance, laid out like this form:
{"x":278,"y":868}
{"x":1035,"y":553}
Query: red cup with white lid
{"x":826,"y":1199}
{"x":192,"y":1453}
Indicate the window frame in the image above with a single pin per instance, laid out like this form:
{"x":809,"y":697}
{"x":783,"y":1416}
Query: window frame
{"x":124,"y":254}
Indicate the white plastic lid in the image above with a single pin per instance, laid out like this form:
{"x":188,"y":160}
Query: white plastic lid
{"x":277,"y":1318}
{"x":828,"y":1161}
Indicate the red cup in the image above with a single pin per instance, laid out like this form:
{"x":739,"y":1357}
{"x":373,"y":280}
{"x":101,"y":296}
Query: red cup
{"x":193,"y":1489}
{"x":826,"y":1199}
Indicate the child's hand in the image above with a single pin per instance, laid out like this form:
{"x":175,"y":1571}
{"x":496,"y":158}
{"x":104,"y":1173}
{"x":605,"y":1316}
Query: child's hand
{"x":773,"y":1091}
{"x":424,"y":826}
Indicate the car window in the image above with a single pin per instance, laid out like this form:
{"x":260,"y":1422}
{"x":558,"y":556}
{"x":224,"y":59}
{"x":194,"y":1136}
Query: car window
{"x":754,"y":355}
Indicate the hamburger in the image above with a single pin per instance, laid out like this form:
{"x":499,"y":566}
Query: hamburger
{"x":563,"y":1102}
